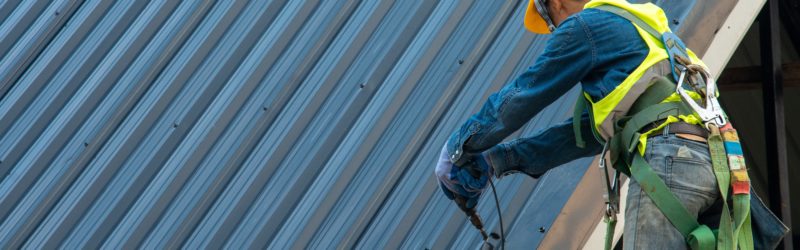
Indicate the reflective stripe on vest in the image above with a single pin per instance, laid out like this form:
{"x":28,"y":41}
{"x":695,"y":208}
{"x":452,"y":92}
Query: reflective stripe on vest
{"x":617,"y":103}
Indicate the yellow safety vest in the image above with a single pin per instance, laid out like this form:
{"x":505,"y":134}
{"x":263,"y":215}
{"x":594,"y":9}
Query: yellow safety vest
{"x":615,"y":105}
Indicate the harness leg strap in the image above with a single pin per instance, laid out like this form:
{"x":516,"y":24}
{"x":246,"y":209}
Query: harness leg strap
{"x":697,"y":236}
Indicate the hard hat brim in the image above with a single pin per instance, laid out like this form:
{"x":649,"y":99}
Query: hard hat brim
{"x":534,"y":21}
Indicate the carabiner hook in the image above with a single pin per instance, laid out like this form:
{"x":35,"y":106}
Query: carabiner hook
{"x":711,"y":112}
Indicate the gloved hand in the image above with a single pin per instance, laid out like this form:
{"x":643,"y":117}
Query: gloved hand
{"x":465,"y":182}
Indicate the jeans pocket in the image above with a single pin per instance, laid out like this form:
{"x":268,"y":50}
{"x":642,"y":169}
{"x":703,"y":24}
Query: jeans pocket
{"x":692,"y":174}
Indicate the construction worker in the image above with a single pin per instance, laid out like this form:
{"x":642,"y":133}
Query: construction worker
{"x":616,"y":51}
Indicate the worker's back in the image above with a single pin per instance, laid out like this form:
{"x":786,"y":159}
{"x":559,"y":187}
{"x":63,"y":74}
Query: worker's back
{"x":617,"y":50}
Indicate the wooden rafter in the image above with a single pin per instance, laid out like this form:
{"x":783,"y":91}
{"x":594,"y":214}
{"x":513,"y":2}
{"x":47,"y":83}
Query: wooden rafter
{"x":745,"y":78}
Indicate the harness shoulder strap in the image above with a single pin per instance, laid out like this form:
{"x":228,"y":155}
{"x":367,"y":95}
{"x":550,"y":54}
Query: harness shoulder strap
{"x":674,"y":45}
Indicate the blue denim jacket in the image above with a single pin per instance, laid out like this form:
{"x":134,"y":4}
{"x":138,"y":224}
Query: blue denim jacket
{"x":593,"y":47}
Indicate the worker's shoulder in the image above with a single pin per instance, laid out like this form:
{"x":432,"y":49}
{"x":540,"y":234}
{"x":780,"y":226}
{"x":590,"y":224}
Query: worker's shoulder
{"x":603,"y":23}
{"x":600,"y":18}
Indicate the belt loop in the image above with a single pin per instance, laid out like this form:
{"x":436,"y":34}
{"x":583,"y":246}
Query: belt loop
{"x":665,"y":131}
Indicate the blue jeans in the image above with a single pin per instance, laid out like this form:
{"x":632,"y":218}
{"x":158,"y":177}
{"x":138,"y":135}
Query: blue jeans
{"x":685,"y":166}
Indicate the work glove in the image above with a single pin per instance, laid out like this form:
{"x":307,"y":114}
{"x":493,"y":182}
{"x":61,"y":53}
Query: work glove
{"x":463,"y":183}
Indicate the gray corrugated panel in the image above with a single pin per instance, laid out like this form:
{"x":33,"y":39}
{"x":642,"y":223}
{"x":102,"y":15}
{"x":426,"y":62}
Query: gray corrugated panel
{"x":65,"y":76}
{"x":310,"y":115}
{"x":255,"y":124}
{"x":85,"y":191}
{"x":192,"y":102}
{"x":17,"y":20}
{"x":100,"y":84}
{"x":399,"y":26}
{"x":177,"y":223}
{"x":147,"y":136}
{"x":6,"y":7}
{"x":16,"y":27}
{"x":311,"y":91}
{"x":26,"y":32}
{"x":297,"y":62}
{"x":65,"y":79}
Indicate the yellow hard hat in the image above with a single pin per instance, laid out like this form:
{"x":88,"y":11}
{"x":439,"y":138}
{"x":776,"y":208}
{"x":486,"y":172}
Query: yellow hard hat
{"x":538,"y":22}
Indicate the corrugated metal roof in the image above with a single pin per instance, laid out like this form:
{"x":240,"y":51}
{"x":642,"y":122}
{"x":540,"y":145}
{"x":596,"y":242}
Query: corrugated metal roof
{"x":280,"y":124}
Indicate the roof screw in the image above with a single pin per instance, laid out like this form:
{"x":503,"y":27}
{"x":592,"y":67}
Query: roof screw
{"x":541,"y":229}
{"x":460,"y":61}
{"x":264,"y":108}
{"x":57,"y":12}
{"x":361,"y":86}
{"x":85,"y":144}
{"x":175,"y":125}
{"x":675,"y":21}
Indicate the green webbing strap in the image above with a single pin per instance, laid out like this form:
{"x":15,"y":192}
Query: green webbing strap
{"x":619,"y":157}
{"x":697,"y":236}
{"x":745,"y":235}
{"x":627,"y":15}
{"x":733,"y":233}
{"x":611,"y":224}
{"x":660,"y":88}
{"x":580,"y":105}
{"x":719,"y":161}
{"x":741,"y":218}
{"x":740,"y":187}
{"x":630,"y":133}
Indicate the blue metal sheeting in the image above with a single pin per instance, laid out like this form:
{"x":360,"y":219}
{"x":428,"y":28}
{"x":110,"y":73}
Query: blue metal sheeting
{"x":253,"y":124}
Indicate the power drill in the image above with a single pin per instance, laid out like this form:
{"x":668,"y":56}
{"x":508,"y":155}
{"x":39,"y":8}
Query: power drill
{"x":472,"y":214}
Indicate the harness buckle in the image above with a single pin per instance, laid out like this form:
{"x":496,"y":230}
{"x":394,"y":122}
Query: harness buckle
{"x":611,"y":212}
{"x":612,"y":196}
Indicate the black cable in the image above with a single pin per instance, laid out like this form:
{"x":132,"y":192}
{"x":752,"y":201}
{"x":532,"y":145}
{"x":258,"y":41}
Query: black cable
{"x":499,"y":215}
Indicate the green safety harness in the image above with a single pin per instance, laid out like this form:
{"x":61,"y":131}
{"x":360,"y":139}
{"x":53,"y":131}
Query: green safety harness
{"x":726,"y":154}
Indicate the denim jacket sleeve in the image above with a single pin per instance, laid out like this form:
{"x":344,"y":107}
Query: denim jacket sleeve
{"x":568,"y":56}
{"x":543,"y":151}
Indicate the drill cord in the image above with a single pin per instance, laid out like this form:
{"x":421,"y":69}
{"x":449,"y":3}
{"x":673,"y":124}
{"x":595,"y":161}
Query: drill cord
{"x":499,"y":215}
